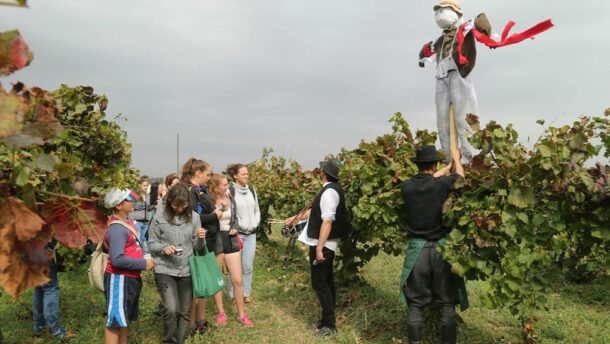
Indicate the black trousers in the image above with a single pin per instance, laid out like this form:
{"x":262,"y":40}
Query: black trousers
{"x":323,"y":283}
{"x":176,"y":297}
{"x":431,"y":283}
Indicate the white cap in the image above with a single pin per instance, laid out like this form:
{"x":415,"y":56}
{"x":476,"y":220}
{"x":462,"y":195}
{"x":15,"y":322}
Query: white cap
{"x":116,"y":196}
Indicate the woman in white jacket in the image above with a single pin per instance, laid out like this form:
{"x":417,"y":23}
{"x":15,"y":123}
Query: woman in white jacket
{"x":249,"y":217}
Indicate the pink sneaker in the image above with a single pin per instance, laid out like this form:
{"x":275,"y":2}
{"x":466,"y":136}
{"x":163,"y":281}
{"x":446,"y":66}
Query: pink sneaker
{"x":245,"y":320}
{"x":221,"y":319}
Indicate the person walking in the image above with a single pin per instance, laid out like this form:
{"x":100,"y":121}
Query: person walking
{"x":175,"y":232}
{"x":327,"y":223}
{"x":248,"y":217}
{"x":427,"y":278}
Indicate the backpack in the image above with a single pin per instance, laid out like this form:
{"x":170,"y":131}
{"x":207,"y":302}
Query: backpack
{"x":232,"y":190}
{"x":99,"y":260}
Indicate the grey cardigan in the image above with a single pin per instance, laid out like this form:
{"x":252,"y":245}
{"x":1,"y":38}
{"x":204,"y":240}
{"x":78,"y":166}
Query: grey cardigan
{"x":182,"y":234}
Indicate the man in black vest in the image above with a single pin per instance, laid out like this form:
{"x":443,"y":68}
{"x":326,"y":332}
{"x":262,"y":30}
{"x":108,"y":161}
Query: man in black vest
{"x":327,"y":224}
{"x":427,"y":278}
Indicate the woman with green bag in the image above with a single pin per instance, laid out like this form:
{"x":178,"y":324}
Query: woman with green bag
{"x":174,"y":234}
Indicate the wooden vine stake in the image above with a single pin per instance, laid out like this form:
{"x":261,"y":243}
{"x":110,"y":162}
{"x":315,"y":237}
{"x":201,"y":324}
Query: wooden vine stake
{"x":452,"y":129}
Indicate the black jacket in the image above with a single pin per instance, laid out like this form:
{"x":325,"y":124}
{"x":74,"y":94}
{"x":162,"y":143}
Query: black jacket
{"x":424,"y":196}
{"x":202,"y":203}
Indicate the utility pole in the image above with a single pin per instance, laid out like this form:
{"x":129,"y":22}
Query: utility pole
{"x":178,"y":153}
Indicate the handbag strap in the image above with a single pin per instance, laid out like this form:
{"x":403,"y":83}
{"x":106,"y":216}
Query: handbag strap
{"x":100,"y":246}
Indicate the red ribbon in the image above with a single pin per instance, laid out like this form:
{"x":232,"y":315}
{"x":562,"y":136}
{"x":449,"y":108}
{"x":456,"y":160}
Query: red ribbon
{"x":505,"y":40}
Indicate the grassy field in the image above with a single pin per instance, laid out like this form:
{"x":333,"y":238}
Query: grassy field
{"x":285,"y":307}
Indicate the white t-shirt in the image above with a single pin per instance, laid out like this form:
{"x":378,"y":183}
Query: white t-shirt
{"x":328,"y":206}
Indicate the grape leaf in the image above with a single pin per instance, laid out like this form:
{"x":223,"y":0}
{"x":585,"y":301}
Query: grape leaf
{"x":44,"y":124}
{"x":12,"y":109}
{"x":14,"y":52}
{"x":521,"y":197}
{"x":17,"y":275}
{"x":26,"y":223}
{"x":45,"y":162}
{"x":74,"y":222}
{"x":7,"y":236}
{"x":36,"y":250}
{"x":67,"y":232}
{"x":96,"y":225}
{"x":22,"y":141}
{"x":4,"y":260}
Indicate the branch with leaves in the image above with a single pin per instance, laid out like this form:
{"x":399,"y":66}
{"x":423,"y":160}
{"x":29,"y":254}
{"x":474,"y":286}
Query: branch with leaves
{"x":58,"y":155}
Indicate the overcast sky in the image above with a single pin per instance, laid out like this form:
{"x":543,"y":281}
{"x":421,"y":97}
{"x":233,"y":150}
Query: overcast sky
{"x":303,"y":77}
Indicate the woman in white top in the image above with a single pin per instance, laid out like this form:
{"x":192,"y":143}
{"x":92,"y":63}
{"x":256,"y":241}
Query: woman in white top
{"x":249,"y":217}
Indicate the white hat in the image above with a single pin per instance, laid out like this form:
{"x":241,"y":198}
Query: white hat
{"x":116,"y":196}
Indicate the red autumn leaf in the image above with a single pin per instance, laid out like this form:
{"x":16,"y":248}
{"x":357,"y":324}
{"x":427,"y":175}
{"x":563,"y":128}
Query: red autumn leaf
{"x":67,"y":232}
{"x":26,"y":222}
{"x":18,"y":275}
{"x":20,"y":53}
{"x":14,"y":52}
{"x":74,"y":223}
{"x":97,"y":226}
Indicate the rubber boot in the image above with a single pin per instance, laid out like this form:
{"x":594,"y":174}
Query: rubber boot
{"x":448,"y":334}
{"x":414,"y":334}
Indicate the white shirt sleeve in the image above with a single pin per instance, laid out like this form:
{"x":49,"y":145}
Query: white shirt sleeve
{"x":328,"y":204}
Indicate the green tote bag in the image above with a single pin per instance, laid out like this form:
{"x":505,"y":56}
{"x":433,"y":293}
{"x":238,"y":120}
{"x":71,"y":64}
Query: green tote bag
{"x":206,"y":275}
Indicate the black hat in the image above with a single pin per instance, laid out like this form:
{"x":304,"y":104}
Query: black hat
{"x":426,"y":153}
{"x":331,"y":167}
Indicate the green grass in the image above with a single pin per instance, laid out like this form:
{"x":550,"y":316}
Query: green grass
{"x":285,"y":306}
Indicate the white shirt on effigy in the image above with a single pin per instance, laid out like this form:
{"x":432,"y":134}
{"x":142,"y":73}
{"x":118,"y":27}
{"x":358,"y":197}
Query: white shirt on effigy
{"x":328,"y":206}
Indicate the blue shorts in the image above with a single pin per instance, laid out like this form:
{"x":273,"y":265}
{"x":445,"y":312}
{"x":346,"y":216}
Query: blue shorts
{"x":122,"y":299}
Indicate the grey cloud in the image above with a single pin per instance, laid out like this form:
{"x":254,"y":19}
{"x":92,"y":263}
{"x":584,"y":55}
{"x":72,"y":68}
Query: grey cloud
{"x":305,"y":77}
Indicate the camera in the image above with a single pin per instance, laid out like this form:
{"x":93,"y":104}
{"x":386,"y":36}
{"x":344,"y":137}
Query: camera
{"x":179,"y":251}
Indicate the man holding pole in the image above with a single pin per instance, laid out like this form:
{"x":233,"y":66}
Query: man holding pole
{"x":427,"y":278}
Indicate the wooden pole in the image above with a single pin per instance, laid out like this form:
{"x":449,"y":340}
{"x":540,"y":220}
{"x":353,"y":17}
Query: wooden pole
{"x":452,"y":129}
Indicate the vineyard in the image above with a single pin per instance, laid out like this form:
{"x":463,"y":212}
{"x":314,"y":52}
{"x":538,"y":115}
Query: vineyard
{"x":521,"y":218}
